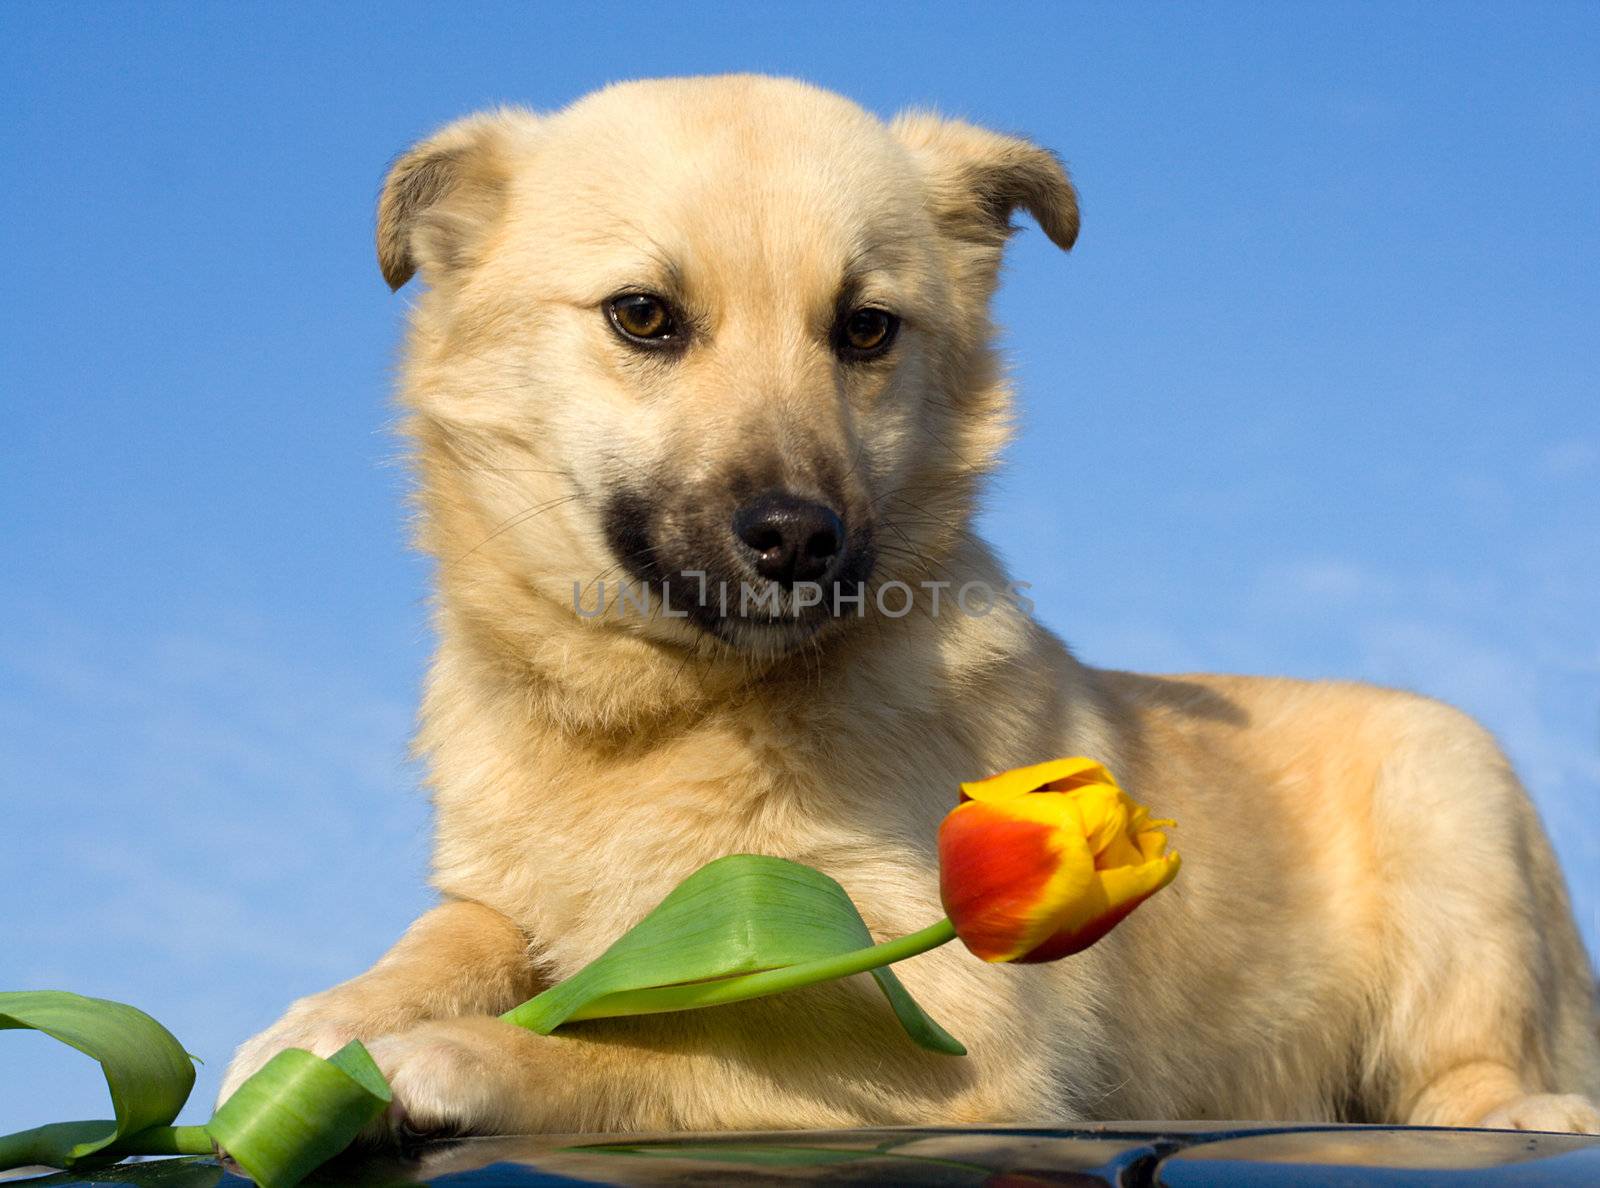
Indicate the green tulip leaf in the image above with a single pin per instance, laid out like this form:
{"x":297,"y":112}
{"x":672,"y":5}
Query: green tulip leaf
{"x":298,"y":1111}
{"x":146,"y":1069}
{"x":741,"y":927}
{"x":294,"y":1114}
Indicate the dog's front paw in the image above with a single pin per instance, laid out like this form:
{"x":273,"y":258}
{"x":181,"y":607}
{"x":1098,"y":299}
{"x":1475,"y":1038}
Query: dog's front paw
{"x":319,"y":1032}
{"x":1565,"y":1113}
{"x":461,"y":1076}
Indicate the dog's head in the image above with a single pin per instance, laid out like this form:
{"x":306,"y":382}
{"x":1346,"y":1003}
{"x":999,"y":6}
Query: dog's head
{"x":722,"y":339}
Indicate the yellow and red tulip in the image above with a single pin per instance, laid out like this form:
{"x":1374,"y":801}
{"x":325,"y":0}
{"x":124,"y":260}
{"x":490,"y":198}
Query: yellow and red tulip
{"x":1039,"y":863}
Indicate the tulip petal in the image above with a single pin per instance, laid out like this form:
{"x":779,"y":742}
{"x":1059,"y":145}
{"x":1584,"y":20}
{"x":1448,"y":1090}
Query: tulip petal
{"x":1058,"y":775}
{"x":1108,"y":817}
{"x":1152,"y":843}
{"x":1113,"y":896}
{"x":1006,"y":869}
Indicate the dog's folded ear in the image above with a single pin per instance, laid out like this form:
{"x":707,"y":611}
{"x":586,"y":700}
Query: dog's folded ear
{"x":977,"y":178}
{"x":443,"y":195}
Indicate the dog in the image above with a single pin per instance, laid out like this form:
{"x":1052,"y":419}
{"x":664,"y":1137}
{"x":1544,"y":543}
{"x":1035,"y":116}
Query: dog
{"x":733,"y":333}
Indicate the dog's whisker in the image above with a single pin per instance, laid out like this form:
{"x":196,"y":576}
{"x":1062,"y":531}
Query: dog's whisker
{"x":513,"y":522}
{"x":964,"y":533}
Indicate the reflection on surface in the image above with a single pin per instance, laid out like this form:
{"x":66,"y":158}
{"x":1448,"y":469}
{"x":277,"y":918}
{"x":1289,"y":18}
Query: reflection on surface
{"x":1136,"y":1155}
{"x":978,"y":1157}
{"x":1417,"y":1149}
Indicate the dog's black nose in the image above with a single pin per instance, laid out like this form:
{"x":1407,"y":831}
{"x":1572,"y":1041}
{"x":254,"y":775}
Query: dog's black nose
{"x":794,"y":539}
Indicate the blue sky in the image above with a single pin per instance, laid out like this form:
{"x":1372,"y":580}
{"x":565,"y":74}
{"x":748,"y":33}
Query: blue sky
{"x":1317,"y":390}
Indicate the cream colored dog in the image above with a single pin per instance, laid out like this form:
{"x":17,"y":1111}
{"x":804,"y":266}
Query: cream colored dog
{"x":733,"y":333}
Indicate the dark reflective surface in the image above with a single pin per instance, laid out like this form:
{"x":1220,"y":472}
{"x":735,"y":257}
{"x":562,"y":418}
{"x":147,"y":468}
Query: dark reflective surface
{"x":1383,"y":1157}
{"x":1134,"y":1155}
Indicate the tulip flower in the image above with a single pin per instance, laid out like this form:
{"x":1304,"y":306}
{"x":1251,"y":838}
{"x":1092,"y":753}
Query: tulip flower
{"x":1039,"y":863}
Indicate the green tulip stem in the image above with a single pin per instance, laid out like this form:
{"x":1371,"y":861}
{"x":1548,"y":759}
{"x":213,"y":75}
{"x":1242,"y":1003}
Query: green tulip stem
{"x":715,"y":992}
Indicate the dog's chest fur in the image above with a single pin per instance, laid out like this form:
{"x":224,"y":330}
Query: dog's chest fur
{"x":577,"y":841}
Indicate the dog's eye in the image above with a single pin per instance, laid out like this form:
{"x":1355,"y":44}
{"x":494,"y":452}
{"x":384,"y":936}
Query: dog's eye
{"x":866,"y":332}
{"x":642,"y":317}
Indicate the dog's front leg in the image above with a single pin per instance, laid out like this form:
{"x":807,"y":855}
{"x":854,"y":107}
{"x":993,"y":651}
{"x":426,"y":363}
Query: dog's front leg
{"x":828,"y":1056}
{"x":485,"y":1076}
{"x":460,"y":958}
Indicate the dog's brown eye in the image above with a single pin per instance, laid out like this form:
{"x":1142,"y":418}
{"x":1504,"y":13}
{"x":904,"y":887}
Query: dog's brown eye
{"x":642,"y":317}
{"x":867,"y":331}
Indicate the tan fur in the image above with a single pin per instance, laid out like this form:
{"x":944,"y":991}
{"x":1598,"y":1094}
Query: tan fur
{"x":1369,"y":923}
